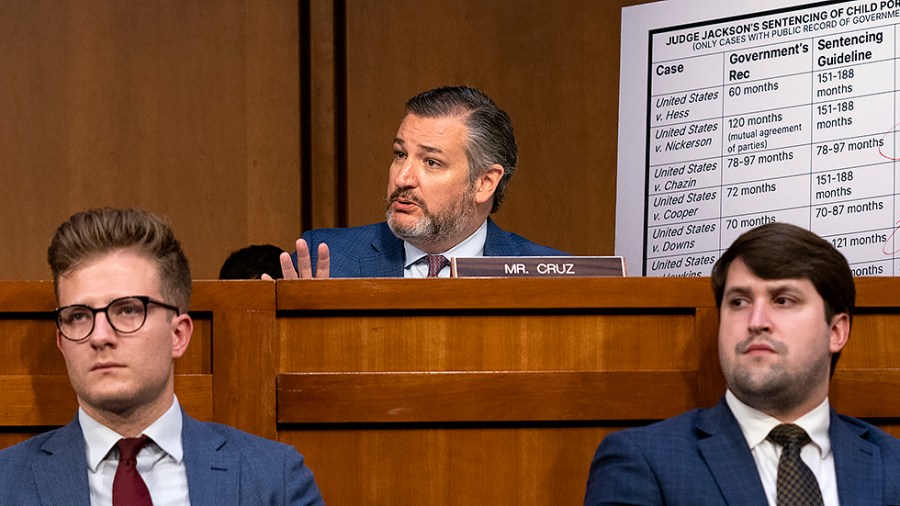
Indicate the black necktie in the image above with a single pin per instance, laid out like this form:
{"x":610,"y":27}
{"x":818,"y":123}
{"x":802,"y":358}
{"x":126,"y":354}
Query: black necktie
{"x":796,"y":483}
{"x":129,"y":488}
{"x":435,"y":264}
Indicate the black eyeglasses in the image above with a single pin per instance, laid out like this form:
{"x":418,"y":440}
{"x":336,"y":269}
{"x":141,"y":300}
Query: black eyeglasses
{"x":125,"y":315}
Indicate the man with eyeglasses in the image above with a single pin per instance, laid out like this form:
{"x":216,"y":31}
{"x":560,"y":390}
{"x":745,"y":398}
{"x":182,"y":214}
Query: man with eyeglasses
{"x":123,"y":286}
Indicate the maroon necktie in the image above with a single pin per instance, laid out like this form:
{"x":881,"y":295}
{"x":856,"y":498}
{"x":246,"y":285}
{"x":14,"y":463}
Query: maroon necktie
{"x":435,"y":264}
{"x":129,"y":488}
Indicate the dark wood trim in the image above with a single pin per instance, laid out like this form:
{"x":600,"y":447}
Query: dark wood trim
{"x":484,"y":396}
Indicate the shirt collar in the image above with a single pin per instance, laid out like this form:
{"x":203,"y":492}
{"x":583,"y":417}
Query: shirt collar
{"x":472,"y":246}
{"x":165,"y":433}
{"x":756,"y":425}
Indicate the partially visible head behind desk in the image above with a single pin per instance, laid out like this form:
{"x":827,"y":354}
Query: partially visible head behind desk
{"x":252,"y":262}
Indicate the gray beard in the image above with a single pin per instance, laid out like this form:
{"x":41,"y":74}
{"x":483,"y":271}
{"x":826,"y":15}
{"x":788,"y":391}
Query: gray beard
{"x":436,"y":228}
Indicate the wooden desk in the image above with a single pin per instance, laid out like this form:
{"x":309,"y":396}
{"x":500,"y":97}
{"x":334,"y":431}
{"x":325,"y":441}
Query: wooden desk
{"x":461,"y":391}
{"x":469,"y":391}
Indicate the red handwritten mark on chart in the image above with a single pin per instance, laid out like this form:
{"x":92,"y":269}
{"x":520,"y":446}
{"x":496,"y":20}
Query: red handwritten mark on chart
{"x":891,"y":156}
{"x":889,"y":251}
{"x":890,"y":240}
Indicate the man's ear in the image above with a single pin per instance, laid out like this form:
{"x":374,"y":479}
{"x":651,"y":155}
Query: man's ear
{"x":182,"y":328}
{"x":486,"y":184}
{"x":840,"y":332}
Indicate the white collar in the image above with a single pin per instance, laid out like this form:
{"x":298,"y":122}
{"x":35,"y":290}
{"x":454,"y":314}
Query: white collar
{"x":165,"y":433}
{"x":756,"y":425}
{"x":472,"y":246}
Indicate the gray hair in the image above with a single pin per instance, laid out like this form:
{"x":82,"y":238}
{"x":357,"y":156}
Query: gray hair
{"x":491,"y":136}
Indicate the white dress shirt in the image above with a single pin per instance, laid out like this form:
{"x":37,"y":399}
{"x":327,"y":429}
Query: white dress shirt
{"x":817,"y":455}
{"x":472,"y":246}
{"x":160,"y":463}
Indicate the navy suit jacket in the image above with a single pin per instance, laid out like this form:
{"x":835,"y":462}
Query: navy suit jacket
{"x":225,"y":466}
{"x":373,"y":251}
{"x":702,"y":457}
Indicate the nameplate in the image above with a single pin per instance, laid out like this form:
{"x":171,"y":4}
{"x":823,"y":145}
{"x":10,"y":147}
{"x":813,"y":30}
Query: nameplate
{"x":551,"y":266}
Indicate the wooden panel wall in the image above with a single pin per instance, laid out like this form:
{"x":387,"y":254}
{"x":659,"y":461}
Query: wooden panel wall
{"x":188,"y":109}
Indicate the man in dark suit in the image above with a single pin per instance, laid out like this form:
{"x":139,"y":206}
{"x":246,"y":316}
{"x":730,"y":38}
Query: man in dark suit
{"x":123,"y":286}
{"x":454,"y":155}
{"x":785,"y":297}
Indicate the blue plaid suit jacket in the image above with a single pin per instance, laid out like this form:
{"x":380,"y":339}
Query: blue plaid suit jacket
{"x":372,"y":251}
{"x":224,"y":466}
{"x":701,"y":457}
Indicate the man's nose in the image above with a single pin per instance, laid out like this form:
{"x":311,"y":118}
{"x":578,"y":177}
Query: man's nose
{"x":405,"y":176}
{"x":103,"y":331}
{"x":760,"y":317}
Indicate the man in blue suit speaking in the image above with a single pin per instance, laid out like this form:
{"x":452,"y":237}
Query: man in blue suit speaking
{"x":123,"y":286}
{"x":454,"y":155}
{"x":785,"y":297}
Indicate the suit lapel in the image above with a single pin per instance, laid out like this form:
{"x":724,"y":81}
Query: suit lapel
{"x":728,"y":457}
{"x":213,"y":474}
{"x":61,"y":473}
{"x":388,"y":255}
{"x":387,"y":258}
{"x":857,"y":464}
{"x":494,"y":245}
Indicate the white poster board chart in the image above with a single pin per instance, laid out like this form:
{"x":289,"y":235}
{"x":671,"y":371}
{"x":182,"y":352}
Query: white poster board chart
{"x":735,"y":114}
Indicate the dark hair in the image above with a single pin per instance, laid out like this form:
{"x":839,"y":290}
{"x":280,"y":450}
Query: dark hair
{"x":252,"y":262}
{"x":491,"y":136}
{"x":95,"y":232}
{"x":784,"y":251}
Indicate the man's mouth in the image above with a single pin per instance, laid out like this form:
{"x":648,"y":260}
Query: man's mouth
{"x":757,"y":347}
{"x":404,"y":203}
{"x":105,"y":366}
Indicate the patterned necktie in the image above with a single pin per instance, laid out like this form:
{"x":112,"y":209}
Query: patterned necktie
{"x":796,"y":484}
{"x":435,"y":264}
{"x":129,"y":488}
